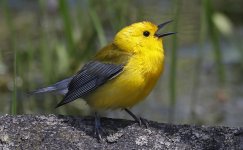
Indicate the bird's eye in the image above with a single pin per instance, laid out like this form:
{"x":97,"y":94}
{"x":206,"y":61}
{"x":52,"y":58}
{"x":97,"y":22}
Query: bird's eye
{"x":146,"y":33}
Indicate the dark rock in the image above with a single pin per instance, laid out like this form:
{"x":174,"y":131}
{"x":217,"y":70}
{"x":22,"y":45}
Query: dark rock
{"x":66,"y":132}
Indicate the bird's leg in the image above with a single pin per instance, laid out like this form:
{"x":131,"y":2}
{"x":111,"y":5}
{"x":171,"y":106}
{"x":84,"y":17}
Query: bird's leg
{"x":133,"y":116}
{"x":98,"y":128}
{"x":139,"y":120}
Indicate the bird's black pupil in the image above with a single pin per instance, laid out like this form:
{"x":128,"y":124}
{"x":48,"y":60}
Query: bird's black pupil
{"x":146,"y":33}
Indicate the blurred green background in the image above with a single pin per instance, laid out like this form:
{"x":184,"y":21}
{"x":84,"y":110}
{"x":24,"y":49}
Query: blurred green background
{"x":45,"y":41}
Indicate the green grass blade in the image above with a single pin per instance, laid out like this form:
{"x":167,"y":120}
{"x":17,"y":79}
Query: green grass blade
{"x":173,"y":63}
{"x":66,"y":17}
{"x":198,"y":64}
{"x":8,"y":19}
{"x":98,"y":27}
{"x":215,"y":42}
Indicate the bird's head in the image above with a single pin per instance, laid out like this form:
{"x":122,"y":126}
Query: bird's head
{"x":140,"y":36}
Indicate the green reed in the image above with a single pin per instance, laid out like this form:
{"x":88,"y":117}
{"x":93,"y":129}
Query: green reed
{"x":12,"y":43}
{"x":173,"y":61}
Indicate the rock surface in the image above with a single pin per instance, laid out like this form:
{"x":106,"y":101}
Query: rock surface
{"x":67,"y":132}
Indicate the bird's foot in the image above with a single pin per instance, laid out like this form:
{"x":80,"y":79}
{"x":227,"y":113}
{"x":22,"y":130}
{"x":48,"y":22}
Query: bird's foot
{"x":141,"y":121}
{"x":98,"y":130}
{"x":144,"y":122}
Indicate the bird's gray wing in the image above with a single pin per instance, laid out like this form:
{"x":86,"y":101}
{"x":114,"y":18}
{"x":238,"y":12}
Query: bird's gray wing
{"x":90,"y":77}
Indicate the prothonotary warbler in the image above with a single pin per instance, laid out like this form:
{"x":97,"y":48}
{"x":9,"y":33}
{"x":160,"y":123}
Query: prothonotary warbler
{"x":120,"y":75}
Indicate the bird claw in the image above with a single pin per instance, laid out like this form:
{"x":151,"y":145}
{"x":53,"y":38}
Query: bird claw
{"x":98,"y":130}
{"x":144,"y":122}
{"x":97,"y":133}
{"x":139,"y":120}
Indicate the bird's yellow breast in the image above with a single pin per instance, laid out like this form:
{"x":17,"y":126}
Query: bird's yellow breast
{"x":139,"y":76}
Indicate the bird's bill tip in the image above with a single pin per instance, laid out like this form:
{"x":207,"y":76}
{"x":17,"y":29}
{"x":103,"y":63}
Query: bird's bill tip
{"x":163,"y":24}
{"x":160,"y":26}
{"x":165,"y":34}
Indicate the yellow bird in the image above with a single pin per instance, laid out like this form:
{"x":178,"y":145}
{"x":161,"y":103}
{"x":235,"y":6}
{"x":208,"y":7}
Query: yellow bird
{"x":121,"y":74}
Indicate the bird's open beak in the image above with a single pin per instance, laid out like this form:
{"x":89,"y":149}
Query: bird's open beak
{"x":160,"y":26}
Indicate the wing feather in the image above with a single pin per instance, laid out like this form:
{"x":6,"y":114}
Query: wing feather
{"x":90,"y":77}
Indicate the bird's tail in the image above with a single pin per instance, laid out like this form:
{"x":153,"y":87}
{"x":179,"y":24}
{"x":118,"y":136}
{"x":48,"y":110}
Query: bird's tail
{"x":59,"y":87}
